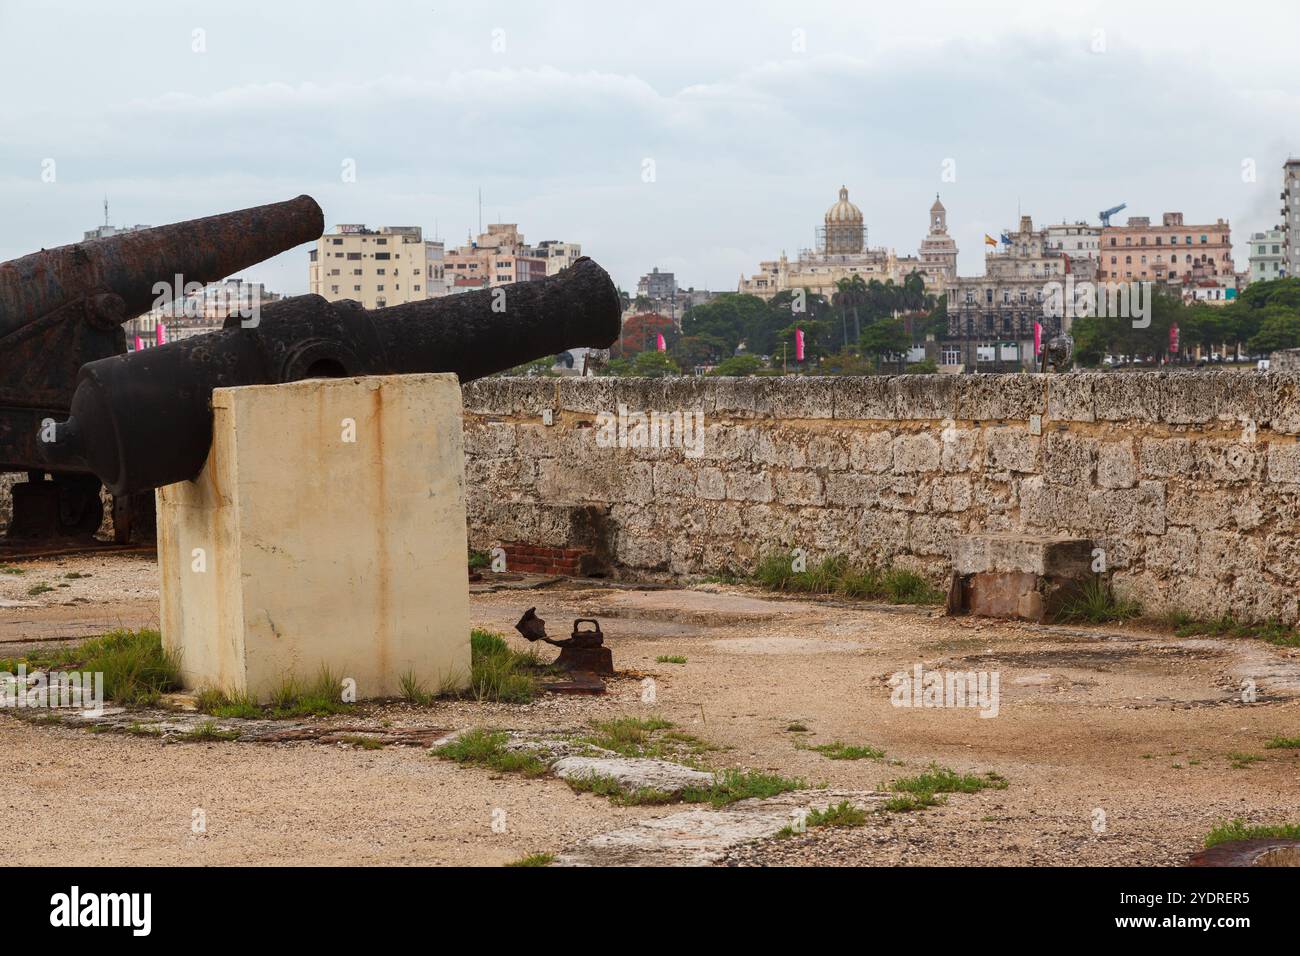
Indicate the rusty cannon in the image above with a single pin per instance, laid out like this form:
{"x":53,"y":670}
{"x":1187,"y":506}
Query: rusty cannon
{"x":62,"y":308}
{"x":143,"y":420}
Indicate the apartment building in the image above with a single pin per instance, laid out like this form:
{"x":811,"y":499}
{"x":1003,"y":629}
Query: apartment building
{"x":376,"y":267}
{"x":1291,"y":217}
{"x":1174,"y":252}
{"x":1267,"y":255}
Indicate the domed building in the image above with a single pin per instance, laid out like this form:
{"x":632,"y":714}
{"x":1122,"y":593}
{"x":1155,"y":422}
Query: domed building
{"x":844,"y":232}
{"x":842,"y":253}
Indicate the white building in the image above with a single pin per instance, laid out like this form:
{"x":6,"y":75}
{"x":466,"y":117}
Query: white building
{"x":1267,"y":255}
{"x":1078,"y":241}
{"x":376,"y":267}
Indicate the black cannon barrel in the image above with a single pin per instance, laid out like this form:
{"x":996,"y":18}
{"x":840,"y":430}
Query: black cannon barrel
{"x":144,"y":420}
{"x":130,"y":264}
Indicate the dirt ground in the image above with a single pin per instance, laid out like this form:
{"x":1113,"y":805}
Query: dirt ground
{"x":1120,"y":747}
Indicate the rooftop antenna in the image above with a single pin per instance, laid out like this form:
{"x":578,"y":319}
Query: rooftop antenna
{"x":106,"y":209}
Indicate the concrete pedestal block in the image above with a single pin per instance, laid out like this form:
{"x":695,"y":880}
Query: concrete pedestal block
{"x":1017,"y":576}
{"x":327,"y":529}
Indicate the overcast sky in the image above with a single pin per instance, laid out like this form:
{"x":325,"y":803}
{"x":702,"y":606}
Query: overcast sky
{"x":753,"y":114}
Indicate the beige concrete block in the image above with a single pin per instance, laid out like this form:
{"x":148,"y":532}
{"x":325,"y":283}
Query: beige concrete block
{"x":326,"y":529}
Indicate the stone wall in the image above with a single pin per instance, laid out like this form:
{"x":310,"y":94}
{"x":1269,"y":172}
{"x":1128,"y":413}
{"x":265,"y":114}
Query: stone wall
{"x":1190,"y":482}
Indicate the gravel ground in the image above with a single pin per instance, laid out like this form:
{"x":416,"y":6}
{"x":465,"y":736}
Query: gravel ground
{"x":1140,"y":727}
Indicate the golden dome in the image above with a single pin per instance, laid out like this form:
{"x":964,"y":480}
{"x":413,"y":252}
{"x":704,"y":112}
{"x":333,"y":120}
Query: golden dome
{"x":843,"y":211}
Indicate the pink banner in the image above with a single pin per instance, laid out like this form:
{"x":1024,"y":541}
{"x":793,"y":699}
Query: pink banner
{"x":160,"y":334}
{"x":1038,"y":338}
{"x":1173,"y":340}
{"x":138,"y":344}
{"x":660,"y":342}
{"x":798,"y":345}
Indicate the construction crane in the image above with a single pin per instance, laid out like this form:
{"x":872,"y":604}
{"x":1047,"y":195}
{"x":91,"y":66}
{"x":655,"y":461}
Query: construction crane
{"x":1106,"y":214}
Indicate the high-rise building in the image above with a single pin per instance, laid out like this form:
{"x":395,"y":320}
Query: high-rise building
{"x":376,"y":267}
{"x":1291,"y":216}
{"x":1267,"y":255}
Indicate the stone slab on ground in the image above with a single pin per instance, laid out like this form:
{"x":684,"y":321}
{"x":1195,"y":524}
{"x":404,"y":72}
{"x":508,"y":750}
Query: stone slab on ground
{"x":701,"y":836}
{"x":633,"y":773}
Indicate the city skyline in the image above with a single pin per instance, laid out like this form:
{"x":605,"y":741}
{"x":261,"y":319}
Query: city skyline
{"x":747,"y":140}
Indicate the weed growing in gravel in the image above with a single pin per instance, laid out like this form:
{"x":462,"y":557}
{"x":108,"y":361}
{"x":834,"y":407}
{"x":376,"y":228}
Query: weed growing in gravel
{"x":843,"y":751}
{"x":1096,"y":603}
{"x":842,"y":814}
{"x":208,"y":730}
{"x":837,"y":576}
{"x":11,"y":569}
{"x":223,"y":705}
{"x":732,"y":785}
{"x":1273,"y":631}
{"x":1240,"y":761}
{"x":943,"y":780}
{"x":605,"y":786}
{"x":365,"y":743}
{"x":534,"y":859}
{"x":796,"y":728}
{"x":1284,"y":743}
{"x":487,"y":748}
{"x":1238,"y":829}
{"x":136,"y":669}
{"x":650,"y":737}
{"x":413,"y":690}
{"x":321,"y":698}
{"x":670,"y":659}
{"x":908,"y":803}
{"x":36,"y":589}
{"x":499,"y":674}
{"x":629,"y":736}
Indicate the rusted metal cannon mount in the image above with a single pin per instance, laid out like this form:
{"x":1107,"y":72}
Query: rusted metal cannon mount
{"x":581,"y":652}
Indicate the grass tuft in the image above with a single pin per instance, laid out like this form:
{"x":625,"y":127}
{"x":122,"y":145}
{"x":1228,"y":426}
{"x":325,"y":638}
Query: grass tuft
{"x":835,"y":575}
{"x":321,"y":697}
{"x":208,"y":730}
{"x":605,"y":786}
{"x":487,"y":748}
{"x":943,"y":780}
{"x":499,"y":674}
{"x":1271,"y":631}
{"x":1238,"y":829}
{"x":733,"y":785}
{"x":628,"y":736}
{"x":842,"y":751}
{"x":220,"y":704}
{"x":137,"y":671}
{"x":911,"y":802}
{"x":534,"y":859}
{"x":413,"y":690}
{"x":1096,"y":603}
{"x":670,"y":659}
{"x":1284,"y":743}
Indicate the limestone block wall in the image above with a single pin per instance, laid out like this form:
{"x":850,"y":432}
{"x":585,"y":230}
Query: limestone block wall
{"x":1189,"y":481}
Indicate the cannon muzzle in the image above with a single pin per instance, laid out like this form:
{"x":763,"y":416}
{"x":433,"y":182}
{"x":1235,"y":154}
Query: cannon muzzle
{"x":144,"y":420}
{"x":131,"y":264}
